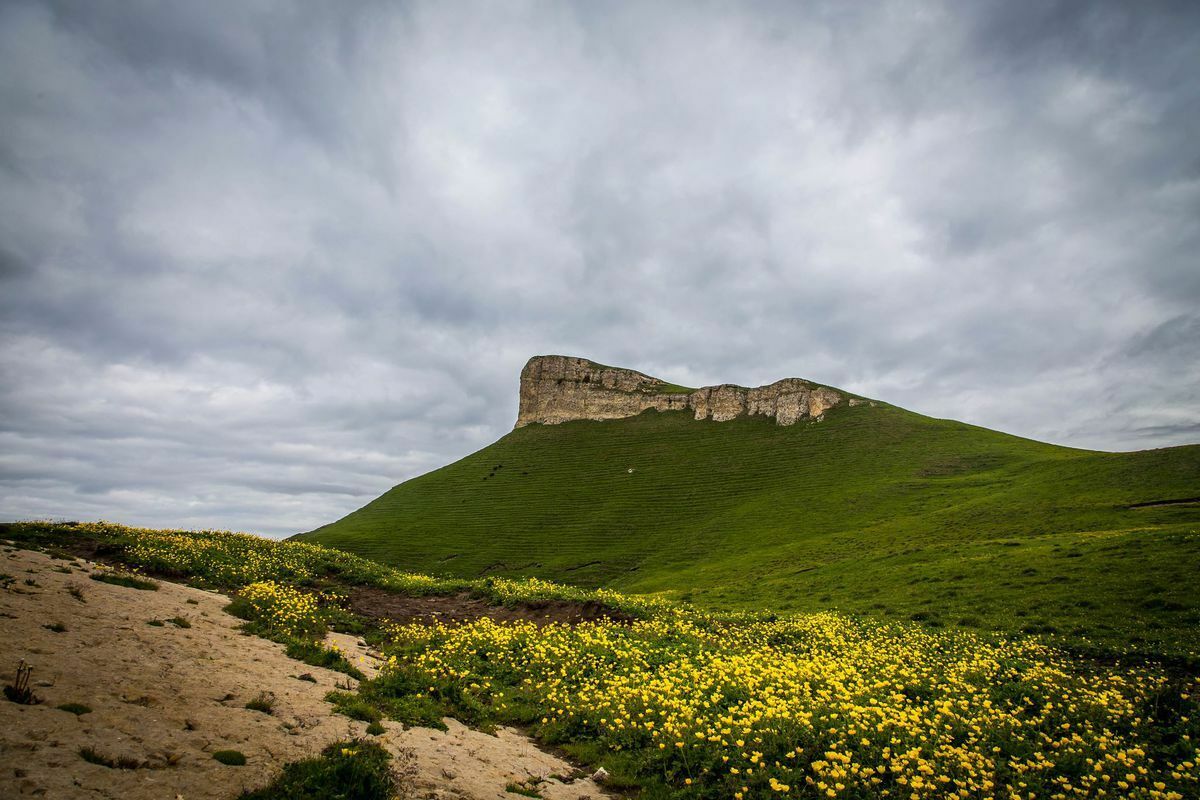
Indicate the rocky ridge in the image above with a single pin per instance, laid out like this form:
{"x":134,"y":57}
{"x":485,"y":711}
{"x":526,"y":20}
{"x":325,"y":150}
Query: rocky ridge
{"x":557,"y":389}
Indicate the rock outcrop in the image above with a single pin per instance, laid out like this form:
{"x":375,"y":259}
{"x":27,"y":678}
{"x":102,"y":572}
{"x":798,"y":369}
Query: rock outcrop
{"x":558,"y":389}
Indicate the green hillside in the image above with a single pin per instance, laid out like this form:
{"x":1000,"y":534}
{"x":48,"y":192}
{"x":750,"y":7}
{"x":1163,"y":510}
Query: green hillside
{"x":875,"y":510}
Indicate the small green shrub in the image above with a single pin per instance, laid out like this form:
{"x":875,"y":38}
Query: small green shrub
{"x":353,"y":706}
{"x":355,"y":770}
{"x":240,"y":607}
{"x":376,"y":728}
{"x":316,"y":654}
{"x":231,"y":758}
{"x":265,"y":702}
{"x":78,"y":709}
{"x":121,"y":579}
{"x":180,"y":622}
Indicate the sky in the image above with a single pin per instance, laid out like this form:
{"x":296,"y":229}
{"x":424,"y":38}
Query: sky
{"x":261,"y":261}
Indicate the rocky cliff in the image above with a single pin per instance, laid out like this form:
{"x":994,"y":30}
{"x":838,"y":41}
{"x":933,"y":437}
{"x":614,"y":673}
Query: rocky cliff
{"x":557,"y":389}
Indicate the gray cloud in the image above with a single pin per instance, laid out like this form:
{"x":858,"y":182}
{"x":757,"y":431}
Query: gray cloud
{"x":260,"y":261}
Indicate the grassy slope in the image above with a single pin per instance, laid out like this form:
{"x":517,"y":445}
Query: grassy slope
{"x":876,"y":510}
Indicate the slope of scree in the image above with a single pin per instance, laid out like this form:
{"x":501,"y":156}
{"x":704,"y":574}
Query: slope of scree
{"x":870,"y":509}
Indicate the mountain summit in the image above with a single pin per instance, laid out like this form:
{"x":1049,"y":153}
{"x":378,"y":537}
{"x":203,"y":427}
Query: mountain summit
{"x":556,"y":389}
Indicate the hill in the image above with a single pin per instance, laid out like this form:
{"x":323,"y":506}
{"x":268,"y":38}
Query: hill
{"x":862,"y":506}
{"x":662,"y":700}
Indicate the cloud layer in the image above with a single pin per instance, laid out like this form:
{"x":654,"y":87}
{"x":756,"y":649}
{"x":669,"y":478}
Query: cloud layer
{"x":261,"y":261}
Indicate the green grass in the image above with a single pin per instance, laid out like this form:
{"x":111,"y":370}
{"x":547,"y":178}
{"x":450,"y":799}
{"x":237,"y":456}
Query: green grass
{"x":317,"y":654}
{"x":875,"y":511}
{"x":264,"y":703}
{"x":658,"y":702}
{"x":353,"y":770}
{"x":352,"y":706}
{"x":129,"y":581}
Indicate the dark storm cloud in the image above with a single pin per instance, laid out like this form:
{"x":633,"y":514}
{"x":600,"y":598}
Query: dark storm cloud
{"x":260,"y":261}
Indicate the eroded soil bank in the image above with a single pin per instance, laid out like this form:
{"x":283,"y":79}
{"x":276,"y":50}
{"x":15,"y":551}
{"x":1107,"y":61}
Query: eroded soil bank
{"x":383,"y":605}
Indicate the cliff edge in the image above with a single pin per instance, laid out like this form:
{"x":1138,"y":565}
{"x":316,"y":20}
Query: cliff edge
{"x":558,"y":389}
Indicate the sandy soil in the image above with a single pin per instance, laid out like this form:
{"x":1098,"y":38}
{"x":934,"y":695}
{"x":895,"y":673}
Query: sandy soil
{"x":168,"y":697}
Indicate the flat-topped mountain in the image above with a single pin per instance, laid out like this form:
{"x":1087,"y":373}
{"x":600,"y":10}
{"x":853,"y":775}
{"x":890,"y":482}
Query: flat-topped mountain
{"x":556,"y":389}
{"x":801,"y":496}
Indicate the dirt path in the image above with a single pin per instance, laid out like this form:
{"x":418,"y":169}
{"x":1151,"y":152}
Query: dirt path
{"x":166,"y":697}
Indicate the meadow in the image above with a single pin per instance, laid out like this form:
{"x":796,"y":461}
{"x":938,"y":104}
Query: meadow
{"x":675,"y":701}
{"x":874,"y":511}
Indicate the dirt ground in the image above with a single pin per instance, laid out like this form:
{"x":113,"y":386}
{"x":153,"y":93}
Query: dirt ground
{"x":166,"y":697}
{"x":376,"y":603}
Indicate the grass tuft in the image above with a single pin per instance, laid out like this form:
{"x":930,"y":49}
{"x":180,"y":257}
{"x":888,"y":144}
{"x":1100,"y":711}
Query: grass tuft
{"x":265,"y":702}
{"x":356,"y":769}
{"x":129,"y":581}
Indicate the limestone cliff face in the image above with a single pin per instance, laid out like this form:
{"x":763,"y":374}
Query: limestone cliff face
{"x":557,"y":389}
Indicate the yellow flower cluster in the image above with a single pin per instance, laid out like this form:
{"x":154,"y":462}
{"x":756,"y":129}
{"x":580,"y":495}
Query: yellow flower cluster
{"x":508,"y":590}
{"x":821,"y":706}
{"x":231,"y":559}
{"x":227,"y":559}
{"x":749,"y":706}
{"x":284,"y":609}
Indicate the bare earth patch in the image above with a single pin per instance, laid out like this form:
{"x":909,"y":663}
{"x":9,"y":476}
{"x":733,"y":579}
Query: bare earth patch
{"x":163,"y":698}
{"x":379,"y":604}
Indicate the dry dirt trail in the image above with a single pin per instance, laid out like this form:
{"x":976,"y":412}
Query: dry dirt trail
{"x":168,"y":697}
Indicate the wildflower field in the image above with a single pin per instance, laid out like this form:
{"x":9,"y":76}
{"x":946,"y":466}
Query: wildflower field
{"x":675,"y":702}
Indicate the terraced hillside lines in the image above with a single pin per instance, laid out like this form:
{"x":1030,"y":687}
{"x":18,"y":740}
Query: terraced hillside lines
{"x":874,"y":510}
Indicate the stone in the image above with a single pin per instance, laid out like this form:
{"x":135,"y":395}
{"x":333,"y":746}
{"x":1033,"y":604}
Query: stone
{"x":556,"y":389}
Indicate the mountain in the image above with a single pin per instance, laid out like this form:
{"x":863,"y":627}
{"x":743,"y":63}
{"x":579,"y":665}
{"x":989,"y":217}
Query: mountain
{"x":797,"y":496}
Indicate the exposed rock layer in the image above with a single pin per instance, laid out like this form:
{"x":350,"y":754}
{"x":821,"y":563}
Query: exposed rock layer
{"x":558,"y":389}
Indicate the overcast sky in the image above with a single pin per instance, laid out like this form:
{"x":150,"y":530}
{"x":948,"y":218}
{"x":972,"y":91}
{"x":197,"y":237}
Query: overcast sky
{"x":261,"y":261}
